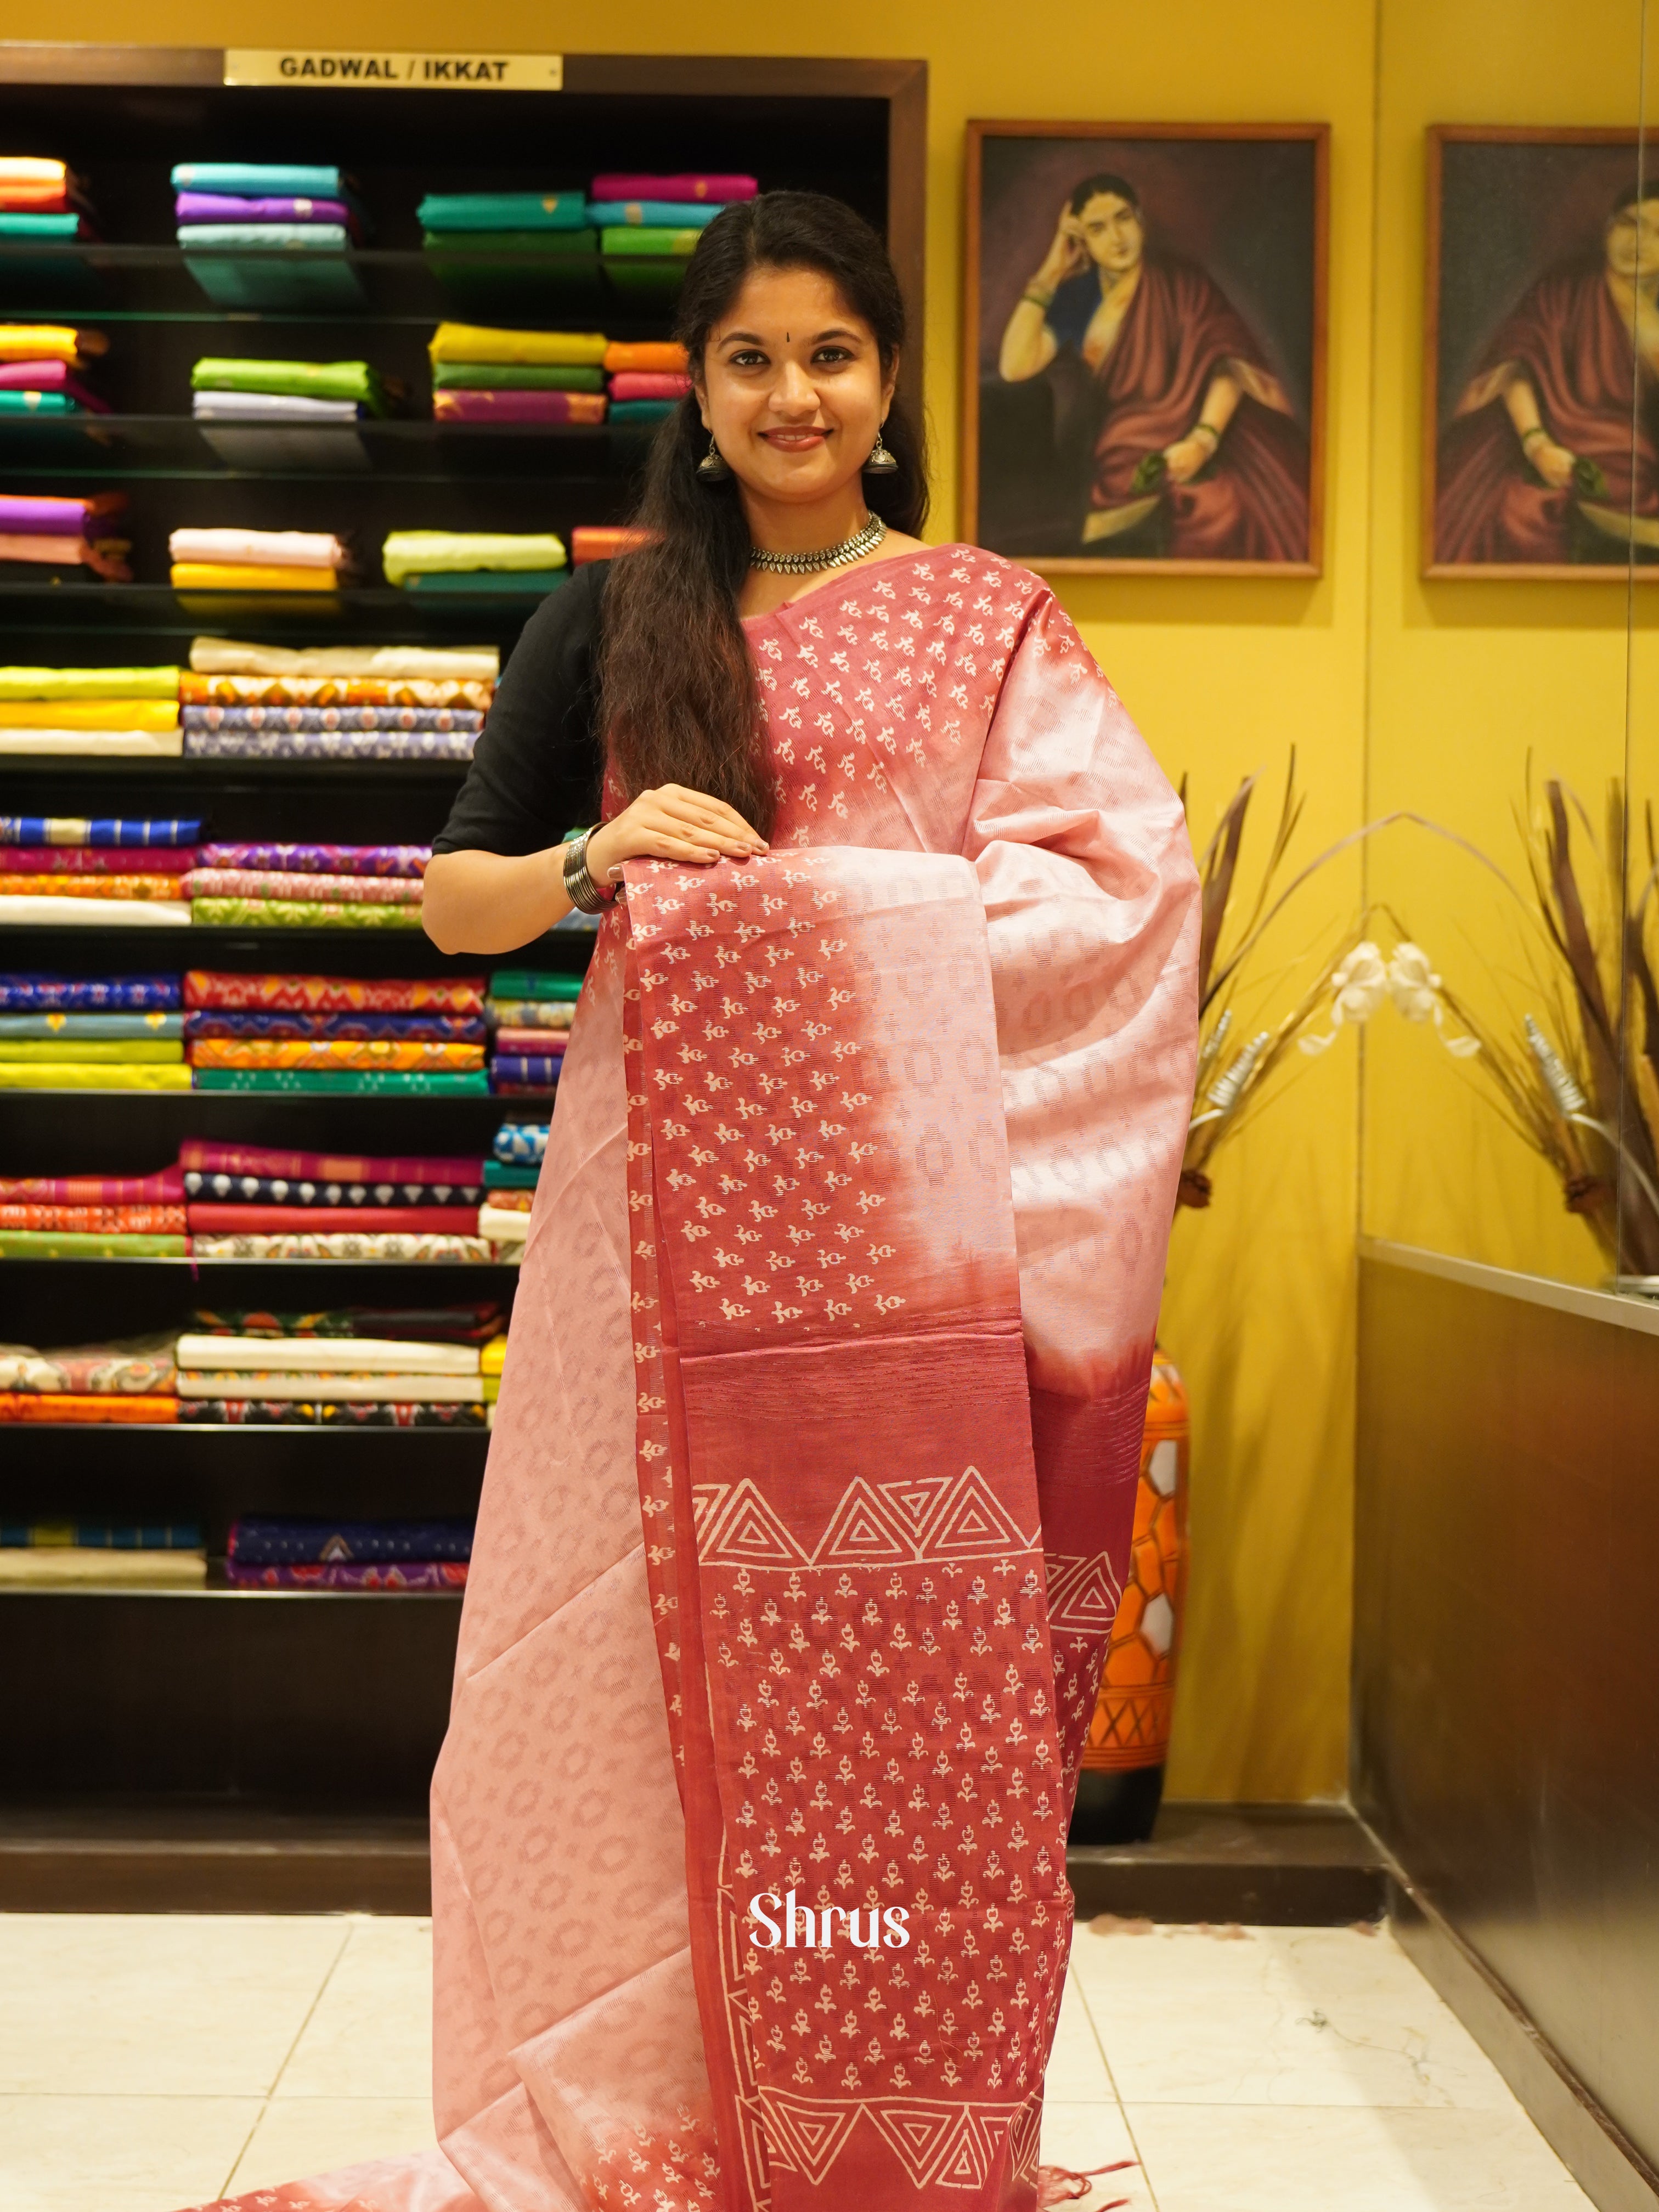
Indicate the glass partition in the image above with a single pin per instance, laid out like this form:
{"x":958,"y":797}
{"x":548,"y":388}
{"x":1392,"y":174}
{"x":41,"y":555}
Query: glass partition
{"x":1515,"y":526}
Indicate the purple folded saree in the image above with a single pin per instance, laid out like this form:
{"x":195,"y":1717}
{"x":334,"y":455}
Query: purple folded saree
{"x":222,"y":207}
{"x":308,"y":718}
{"x":428,"y":1029}
{"x":320,"y":859}
{"x":125,"y":994}
{"x":23,"y":515}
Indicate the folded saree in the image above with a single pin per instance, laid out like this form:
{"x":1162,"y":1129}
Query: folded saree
{"x":327,"y":1355}
{"x":133,"y":885}
{"x":104,"y":557}
{"x":45,"y":683}
{"x":522,"y":1144}
{"x":313,"y":1197}
{"x":289,"y":207}
{"x":167,"y":1188}
{"x":133,"y":1367}
{"x":487,"y":583}
{"x":27,"y":401}
{"x":650,"y":214}
{"x":346,"y":1083}
{"x":88,"y":714}
{"x":402,"y":1248}
{"x":499,"y":1176}
{"x":298,"y":689}
{"x":453,"y":211}
{"x":410,"y":1575}
{"x":334,"y":994}
{"x":474,"y":664}
{"x":271,"y":407}
{"x":553,"y":1015}
{"x":103,"y":1536}
{"x":296,"y":884}
{"x":225,"y":1022}
{"x":91,"y":1052}
{"x":201,"y":1155}
{"x":299,"y":380}
{"x":343,"y":1385}
{"x":514,"y":376}
{"x":648,"y":384}
{"x":298,"y":914}
{"x":326,"y":1413}
{"x":79,"y":829}
{"x":422,"y":552}
{"x":503,"y":1224}
{"x":95,"y":861}
{"x":542,"y":985}
{"x":50,"y":341}
{"x":312,"y":180}
{"x":98,"y":1220}
{"x":648,"y":356}
{"x":592,"y":541}
{"x":258,"y":1541}
{"x":279,"y":743}
{"x":684,"y":184}
{"x":40,"y":912}
{"x":264,"y":237}
{"x":29,"y":514}
{"x":103,"y":1029}
{"x":356,"y":1053}
{"x":85,"y":994}
{"x":353,"y":720}
{"x":321,"y":859}
{"x":531,"y":1043}
{"x":478,"y":1324}
{"x":249,"y":576}
{"x":94,"y":1075}
{"x":213,"y":1217}
{"x":56,"y":1244}
{"x":624,"y":241}
{"x":485,"y":405}
{"x":54,"y":1568}
{"x":108,"y":745}
{"x":274,"y":548}
{"x":555,"y":349}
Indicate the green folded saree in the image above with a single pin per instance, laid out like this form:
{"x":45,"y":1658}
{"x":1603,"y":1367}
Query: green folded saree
{"x":471,"y":212}
{"x":423,"y":552}
{"x":513,"y":376}
{"x":88,"y":684}
{"x":298,"y":914}
{"x":86,"y":1244}
{"x":92,"y":1075}
{"x":491,"y":583}
{"x":630,"y":239}
{"x":293,"y":380}
{"x":348,"y":1082}
{"x":90,"y":1051}
{"x":533,"y":984}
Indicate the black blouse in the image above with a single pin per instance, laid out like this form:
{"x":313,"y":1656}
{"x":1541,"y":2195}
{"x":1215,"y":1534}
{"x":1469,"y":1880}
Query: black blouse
{"x":538,"y":763}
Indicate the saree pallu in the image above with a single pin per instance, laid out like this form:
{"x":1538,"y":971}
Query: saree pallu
{"x":297,"y":914}
{"x":810,"y":1490}
{"x":334,"y":994}
{"x":298,"y":883}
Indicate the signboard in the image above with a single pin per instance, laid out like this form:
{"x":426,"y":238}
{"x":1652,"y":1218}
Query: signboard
{"x":480,"y":72}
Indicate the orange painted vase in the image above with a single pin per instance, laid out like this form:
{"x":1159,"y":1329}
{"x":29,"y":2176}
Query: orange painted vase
{"x":1128,"y":1738}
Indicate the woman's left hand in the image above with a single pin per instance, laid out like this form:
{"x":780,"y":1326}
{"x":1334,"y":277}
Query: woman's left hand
{"x":1186,"y":458}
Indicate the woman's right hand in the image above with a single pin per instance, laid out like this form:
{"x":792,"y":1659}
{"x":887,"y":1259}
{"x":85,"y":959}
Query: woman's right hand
{"x":672,"y":823}
{"x":1066,"y":257}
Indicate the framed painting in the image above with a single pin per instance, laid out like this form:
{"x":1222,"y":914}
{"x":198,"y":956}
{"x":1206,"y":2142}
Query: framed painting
{"x":1540,"y":442}
{"x":1144,"y":391}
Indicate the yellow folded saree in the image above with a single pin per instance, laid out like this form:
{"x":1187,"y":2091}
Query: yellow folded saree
{"x":88,"y":684}
{"x":549,"y":349}
{"x":87,"y":1075}
{"x":155,"y":714}
{"x":248,"y":576}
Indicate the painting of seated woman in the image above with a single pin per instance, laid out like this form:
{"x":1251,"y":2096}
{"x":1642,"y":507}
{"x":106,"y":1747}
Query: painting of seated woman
{"x":1543,"y":414}
{"x":1147,"y":312}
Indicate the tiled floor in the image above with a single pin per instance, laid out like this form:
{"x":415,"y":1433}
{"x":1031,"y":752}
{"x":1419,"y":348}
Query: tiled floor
{"x":150,"y":2063}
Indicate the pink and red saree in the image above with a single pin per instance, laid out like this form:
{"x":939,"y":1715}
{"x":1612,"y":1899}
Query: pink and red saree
{"x":811,"y":1489}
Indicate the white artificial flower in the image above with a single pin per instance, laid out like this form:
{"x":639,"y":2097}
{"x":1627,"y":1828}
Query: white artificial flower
{"x":1360,"y":986}
{"x":1413,"y":984}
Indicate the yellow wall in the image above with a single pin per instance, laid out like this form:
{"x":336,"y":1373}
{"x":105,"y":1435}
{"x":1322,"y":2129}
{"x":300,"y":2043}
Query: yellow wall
{"x":1223,"y":675}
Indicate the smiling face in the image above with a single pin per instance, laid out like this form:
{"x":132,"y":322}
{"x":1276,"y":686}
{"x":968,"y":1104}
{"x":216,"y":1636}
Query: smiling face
{"x":1633,"y":240}
{"x":793,"y":386}
{"x":1113,"y":232}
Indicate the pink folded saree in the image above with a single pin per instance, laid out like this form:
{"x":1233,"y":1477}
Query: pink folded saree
{"x":810,"y":1495}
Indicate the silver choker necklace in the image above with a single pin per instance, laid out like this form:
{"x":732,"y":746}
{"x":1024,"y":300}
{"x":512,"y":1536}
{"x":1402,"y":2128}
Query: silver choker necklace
{"x":832,"y":557}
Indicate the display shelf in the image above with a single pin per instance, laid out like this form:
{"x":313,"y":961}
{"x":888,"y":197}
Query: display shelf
{"x":335,"y":1700}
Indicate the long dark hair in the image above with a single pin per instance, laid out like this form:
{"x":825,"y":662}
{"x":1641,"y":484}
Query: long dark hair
{"x":678,"y":702}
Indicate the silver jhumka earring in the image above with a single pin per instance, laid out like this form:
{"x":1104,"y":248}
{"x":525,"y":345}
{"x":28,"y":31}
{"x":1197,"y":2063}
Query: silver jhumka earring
{"x":713,"y":467}
{"x":881,"y":462}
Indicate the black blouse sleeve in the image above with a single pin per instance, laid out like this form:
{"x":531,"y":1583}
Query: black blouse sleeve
{"x":536,"y":769}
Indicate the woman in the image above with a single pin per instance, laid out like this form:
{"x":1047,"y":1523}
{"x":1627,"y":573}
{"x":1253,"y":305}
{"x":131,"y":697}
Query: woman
{"x":1552,"y":454}
{"x":1196,"y":454}
{"x":830,"y":1345}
